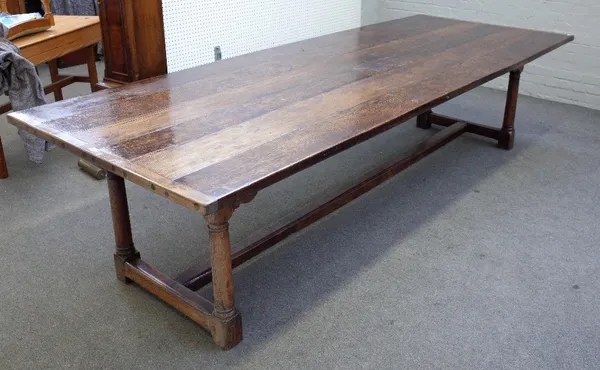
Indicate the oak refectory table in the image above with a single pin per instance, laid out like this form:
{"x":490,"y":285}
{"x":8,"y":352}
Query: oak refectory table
{"x":209,"y":138}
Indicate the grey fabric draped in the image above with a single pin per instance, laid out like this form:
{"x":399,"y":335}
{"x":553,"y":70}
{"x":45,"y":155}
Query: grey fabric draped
{"x":74,"y":7}
{"x":20,"y":81}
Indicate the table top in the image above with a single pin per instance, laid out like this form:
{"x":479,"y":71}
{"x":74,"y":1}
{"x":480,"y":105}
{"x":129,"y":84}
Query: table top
{"x":206,"y":135}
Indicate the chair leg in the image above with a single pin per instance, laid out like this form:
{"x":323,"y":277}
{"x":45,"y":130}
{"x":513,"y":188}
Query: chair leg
{"x":58,"y":95}
{"x":91,"y":64}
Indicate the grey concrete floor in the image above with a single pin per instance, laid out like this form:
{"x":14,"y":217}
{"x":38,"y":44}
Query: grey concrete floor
{"x":475,"y":258}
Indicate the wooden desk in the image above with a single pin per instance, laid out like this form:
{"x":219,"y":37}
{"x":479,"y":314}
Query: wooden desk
{"x":71,"y":33}
{"x":211,"y":137}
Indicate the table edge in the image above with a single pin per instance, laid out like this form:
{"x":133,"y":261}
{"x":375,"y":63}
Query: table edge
{"x":153,"y":182}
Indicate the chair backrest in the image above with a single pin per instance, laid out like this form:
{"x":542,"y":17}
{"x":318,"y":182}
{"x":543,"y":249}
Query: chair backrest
{"x":4,"y":6}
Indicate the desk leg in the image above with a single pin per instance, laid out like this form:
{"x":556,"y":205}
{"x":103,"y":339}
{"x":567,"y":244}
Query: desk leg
{"x":126,"y":251}
{"x":227,"y":329}
{"x":58,"y":95}
{"x":91,"y":64}
{"x":3,"y":168}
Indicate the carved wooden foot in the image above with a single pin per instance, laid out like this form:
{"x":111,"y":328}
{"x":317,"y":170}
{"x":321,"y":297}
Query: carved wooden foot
{"x":227,"y":331}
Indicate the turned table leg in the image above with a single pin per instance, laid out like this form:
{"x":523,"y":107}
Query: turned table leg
{"x":126,"y":251}
{"x":3,"y":168}
{"x":227,"y":329}
{"x":507,"y":133}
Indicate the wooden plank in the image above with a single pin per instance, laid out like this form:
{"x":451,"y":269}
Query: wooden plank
{"x":275,"y":93}
{"x":173,"y":91}
{"x":397,"y":96}
{"x":335,"y":108}
{"x":206,"y":138}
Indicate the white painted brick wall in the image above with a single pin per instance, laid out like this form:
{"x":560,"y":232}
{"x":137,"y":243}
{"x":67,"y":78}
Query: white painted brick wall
{"x":570,"y":74}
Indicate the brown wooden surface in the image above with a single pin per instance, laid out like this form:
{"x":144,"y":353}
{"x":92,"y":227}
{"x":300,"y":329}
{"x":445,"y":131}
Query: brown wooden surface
{"x":70,"y":33}
{"x":133,"y":39}
{"x":149,"y":38}
{"x":205,"y":136}
{"x":13,"y":6}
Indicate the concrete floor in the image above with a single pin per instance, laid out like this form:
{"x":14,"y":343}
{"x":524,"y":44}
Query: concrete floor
{"x":475,"y":258}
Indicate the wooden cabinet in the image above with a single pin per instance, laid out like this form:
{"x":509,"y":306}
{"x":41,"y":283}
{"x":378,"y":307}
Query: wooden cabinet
{"x":133,"y":39}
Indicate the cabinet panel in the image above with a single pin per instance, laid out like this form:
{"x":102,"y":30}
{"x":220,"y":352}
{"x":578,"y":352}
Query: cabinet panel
{"x":150,"y":38}
{"x":133,"y":38}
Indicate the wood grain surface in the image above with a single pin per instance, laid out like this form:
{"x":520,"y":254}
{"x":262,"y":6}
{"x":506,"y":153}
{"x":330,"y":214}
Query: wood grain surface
{"x":208,"y":135}
{"x":70,"y":33}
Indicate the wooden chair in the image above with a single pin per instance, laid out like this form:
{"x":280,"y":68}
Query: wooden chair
{"x":33,"y":26}
{"x":16,"y":7}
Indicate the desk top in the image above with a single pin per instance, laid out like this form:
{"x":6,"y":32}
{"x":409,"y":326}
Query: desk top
{"x":64,"y":24}
{"x":70,"y":33}
{"x":208,"y":134}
